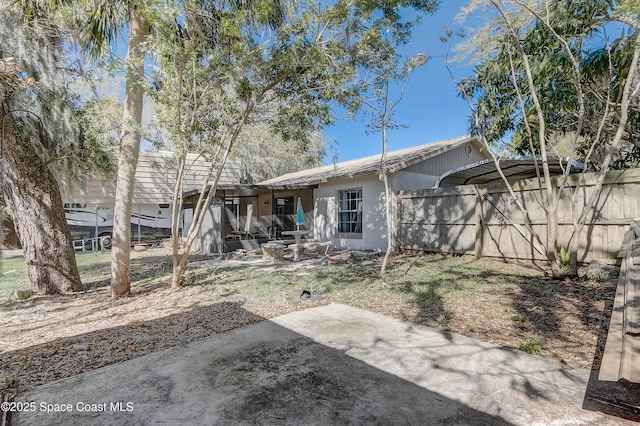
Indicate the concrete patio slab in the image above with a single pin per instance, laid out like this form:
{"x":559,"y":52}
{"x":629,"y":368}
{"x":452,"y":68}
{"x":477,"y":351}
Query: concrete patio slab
{"x":328,"y":365}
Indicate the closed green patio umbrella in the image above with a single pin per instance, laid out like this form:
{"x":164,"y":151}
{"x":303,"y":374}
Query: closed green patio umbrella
{"x":300,"y":216}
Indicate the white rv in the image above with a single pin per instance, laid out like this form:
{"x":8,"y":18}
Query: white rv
{"x":149,"y":222}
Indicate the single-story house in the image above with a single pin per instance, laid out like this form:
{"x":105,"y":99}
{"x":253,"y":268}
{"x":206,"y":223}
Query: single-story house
{"x":344,"y":202}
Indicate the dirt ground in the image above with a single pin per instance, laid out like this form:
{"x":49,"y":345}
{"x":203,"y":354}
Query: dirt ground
{"x":563,"y":318}
{"x":46,"y":338}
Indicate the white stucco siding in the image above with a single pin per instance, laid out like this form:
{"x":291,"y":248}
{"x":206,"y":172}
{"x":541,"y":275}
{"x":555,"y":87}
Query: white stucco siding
{"x":374,"y":228}
{"x":374,"y":224}
{"x":324,"y":217}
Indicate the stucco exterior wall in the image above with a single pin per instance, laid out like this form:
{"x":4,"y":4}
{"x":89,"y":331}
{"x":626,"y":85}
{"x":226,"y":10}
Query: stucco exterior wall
{"x":374,"y":224}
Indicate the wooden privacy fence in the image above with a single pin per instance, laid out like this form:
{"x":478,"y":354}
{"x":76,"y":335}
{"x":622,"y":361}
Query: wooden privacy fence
{"x":485,"y":220}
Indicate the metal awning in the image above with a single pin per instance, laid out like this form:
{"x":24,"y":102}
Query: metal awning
{"x":485,"y":171}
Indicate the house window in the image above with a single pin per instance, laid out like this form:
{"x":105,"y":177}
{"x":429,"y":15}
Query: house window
{"x":350,"y":211}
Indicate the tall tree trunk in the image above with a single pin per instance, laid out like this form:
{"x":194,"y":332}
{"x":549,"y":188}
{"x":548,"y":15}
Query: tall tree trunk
{"x":549,"y":204}
{"x":128,"y":155}
{"x":176,"y":209}
{"x":33,"y":195}
{"x":628,"y":93}
{"x":387,"y":202}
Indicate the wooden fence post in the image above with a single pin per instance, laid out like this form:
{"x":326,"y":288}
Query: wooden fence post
{"x":478,"y":224}
{"x":399,"y":236}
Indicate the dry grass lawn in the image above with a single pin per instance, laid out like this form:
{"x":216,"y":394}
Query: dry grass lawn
{"x":510,"y":304}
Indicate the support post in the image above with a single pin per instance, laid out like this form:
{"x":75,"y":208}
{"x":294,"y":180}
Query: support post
{"x":399,"y":236}
{"x":139,"y":237}
{"x":478,"y":245}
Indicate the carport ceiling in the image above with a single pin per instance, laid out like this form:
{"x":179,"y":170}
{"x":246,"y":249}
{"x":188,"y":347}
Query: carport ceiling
{"x":513,"y":168}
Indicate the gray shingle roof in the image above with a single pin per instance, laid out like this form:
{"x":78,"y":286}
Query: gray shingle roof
{"x":396,"y":160}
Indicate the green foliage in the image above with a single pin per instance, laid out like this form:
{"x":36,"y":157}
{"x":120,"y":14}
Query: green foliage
{"x":56,"y":125}
{"x":629,"y":9}
{"x":564,"y":257}
{"x":227,"y":79}
{"x":263,"y":155}
{"x":532,"y":346}
{"x":222,"y":77}
{"x":504,"y":102}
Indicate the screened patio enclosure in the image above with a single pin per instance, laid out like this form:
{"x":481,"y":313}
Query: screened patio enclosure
{"x":245,"y":216}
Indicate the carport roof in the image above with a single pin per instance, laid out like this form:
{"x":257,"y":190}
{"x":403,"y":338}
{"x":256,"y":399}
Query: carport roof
{"x":485,"y":171}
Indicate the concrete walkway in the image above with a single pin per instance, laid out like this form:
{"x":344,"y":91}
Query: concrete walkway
{"x":329,"y":365}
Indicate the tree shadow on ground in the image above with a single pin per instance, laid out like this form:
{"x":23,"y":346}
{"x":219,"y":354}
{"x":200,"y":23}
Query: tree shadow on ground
{"x":357,"y":270}
{"x":271,"y":376}
{"x":113,"y":345}
{"x":428,"y":290}
{"x":429,"y":302}
{"x":144,"y":268}
{"x":557,"y":308}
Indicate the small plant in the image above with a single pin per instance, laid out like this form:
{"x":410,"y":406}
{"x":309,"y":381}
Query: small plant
{"x":187,"y":280}
{"x":446,"y":317}
{"x":517,"y":318}
{"x":564,"y":257}
{"x":532,"y":346}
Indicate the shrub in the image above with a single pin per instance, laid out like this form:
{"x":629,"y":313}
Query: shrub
{"x":564,"y":256}
{"x":532,"y":346}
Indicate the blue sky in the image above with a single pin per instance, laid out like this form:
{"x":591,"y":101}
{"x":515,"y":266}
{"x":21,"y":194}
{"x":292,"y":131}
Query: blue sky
{"x":430,"y":106}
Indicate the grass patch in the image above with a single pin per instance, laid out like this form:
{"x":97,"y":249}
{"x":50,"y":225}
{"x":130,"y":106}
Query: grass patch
{"x":13,"y":276}
{"x":508,"y":304}
{"x":94,"y":269}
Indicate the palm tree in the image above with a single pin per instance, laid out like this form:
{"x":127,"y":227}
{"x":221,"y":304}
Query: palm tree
{"x":129,"y":149}
{"x":103,"y":26}
{"x":99,"y":23}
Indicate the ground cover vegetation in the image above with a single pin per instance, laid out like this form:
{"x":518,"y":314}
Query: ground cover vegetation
{"x":514,"y":305}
